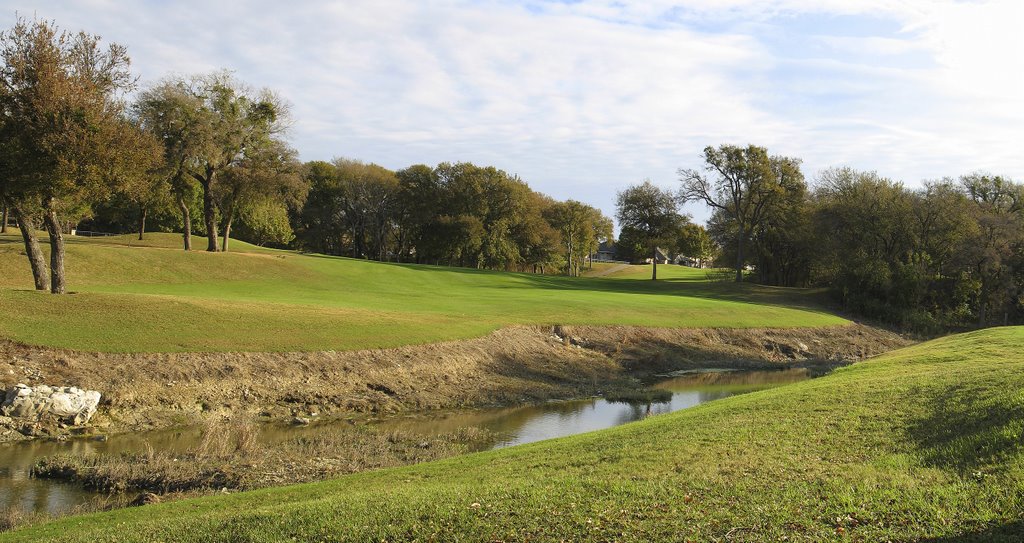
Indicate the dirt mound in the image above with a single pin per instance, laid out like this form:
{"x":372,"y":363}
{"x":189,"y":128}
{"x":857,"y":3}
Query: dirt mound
{"x":510,"y":366}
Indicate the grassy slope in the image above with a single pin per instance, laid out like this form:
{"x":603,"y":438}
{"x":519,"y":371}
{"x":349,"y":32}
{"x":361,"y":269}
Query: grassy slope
{"x":922,"y":444}
{"x":160,"y":299}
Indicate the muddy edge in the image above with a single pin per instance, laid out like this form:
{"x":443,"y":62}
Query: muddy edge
{"x":515,"y":365}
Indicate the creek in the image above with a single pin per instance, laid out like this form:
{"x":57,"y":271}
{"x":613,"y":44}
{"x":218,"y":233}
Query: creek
{"x":512,"y":426}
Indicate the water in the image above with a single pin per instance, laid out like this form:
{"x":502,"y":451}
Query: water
{"x":513,"y":426}
{"x":519,"y":425}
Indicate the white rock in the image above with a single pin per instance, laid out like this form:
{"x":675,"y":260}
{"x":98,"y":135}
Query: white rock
{"x":71,"y":405}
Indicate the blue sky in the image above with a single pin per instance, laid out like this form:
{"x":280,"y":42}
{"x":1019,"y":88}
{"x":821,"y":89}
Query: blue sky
{"x":583,"y":98}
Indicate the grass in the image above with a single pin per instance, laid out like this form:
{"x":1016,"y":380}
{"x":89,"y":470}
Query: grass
{"x":921,"y":444}
{"x":155,"y":298}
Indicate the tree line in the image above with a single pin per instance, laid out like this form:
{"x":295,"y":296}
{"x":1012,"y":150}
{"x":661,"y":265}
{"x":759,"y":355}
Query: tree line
{"x":947,"y":255}
{"x":457,"y":214}
{"x":207,"y":154}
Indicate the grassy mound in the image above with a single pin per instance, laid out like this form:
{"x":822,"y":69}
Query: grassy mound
{"x":922,"y":444}
{"x":155,"y":298}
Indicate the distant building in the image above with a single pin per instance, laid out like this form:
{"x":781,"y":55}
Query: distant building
{"x":605,"y":252}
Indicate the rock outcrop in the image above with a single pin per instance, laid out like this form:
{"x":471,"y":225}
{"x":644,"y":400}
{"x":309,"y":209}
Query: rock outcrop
{"x":69,"y":405}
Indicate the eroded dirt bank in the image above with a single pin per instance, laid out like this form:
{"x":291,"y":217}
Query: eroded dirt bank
{"x":510,"y":366}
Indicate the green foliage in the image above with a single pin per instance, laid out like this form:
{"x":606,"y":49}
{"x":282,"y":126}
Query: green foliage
{"x":695,"y":243}
{"x":581,"y":229}
{"x":455,"y":214}
{"x":752,"y":195}
{"x":265,"y":222}
{"x":649,"y":218}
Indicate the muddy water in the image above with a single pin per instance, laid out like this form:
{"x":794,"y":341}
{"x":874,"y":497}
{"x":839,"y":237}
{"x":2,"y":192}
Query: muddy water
{"x":513,"y":426}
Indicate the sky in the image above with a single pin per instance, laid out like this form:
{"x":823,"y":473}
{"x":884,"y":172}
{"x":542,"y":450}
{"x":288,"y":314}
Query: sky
{"x":584,"y":98}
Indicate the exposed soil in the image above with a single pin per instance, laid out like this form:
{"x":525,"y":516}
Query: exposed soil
{"x":510,"y":366}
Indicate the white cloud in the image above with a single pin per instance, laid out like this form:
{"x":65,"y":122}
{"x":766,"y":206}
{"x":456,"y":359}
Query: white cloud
{"x":584,"y":98}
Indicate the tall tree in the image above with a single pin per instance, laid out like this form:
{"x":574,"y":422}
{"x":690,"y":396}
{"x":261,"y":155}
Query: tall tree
{"x":994,"y":250}
{"x":652,"y":214}
{"x":208,"y":123}
{"x":64,"y":123}
{"x":175,"y":115}
{"x":744,"y":183}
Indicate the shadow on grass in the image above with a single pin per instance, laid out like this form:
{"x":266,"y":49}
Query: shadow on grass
{"x":1009,"y":532}
{"x":967,"y":429}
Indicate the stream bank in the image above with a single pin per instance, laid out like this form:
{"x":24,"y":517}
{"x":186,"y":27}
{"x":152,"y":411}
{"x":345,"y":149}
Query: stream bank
{"x":54,"y":478}
{"x":511,"y":366}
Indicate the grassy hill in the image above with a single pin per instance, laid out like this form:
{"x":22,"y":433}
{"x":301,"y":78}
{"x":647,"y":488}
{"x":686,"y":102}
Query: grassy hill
{"x":132,"y":296}
{"x":921,"y":444}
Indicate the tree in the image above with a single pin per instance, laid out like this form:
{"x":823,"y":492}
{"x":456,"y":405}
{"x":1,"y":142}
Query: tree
{"x":319,"y":226}
{"x":418,"y":202}
{"x":146,"y":186}
{"x":176,"y":117}
{"x":581,"y":228}
{"x":694,"y":242}
{"x":994,"y":250}
{"x":651,"y":214}
{"x":265,"y":222}
{"x":64,"y":128}
{"x":269,"y":171}
{"x":866,"y":241}
{"x":745,"y":183}
{"x":208,"y":124}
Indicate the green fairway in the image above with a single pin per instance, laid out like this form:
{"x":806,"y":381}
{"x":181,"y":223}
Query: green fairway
{"x":922,"y":444}
{"x":155,"y":298}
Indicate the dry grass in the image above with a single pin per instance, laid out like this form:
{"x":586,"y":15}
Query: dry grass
{"x":511,"y":366}
{"x":231,"y":456}
{"x":12,"y":518}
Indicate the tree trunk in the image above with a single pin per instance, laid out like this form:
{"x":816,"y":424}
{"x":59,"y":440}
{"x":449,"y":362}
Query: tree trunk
{"x":3,"y":225}
{"x":186,"y":222}
{"x":739,"y":257}
{"x":142,"y":223}
{"x":210,"y":213}
{"x":35,"y":254}
{"x":230,"y":216}
{"x":983,"y":305}
{"x":568,"y":258}
{"x":654,"y":267}
{"x":57,"y":279}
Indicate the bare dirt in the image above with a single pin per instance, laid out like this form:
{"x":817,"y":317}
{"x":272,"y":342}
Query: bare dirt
{"x":510,"y":366}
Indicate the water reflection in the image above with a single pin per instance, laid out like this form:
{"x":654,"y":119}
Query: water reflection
{"x":518,"y":425}
{"x":514,"y":426}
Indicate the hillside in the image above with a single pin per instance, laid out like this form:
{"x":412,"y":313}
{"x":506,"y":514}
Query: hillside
{"x":150,"y":297}
{"x":921,"y":444}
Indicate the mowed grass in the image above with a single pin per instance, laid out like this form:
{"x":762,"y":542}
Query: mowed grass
{"x":921,"y":444}
{"x":156,"y":298}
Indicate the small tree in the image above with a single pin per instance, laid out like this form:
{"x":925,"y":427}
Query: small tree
{"x":581,"y":228}
{"x":695,"y":243}
{"x":269,"y":171}
{"x":265,"y":220}
{"x":651,"y":214}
